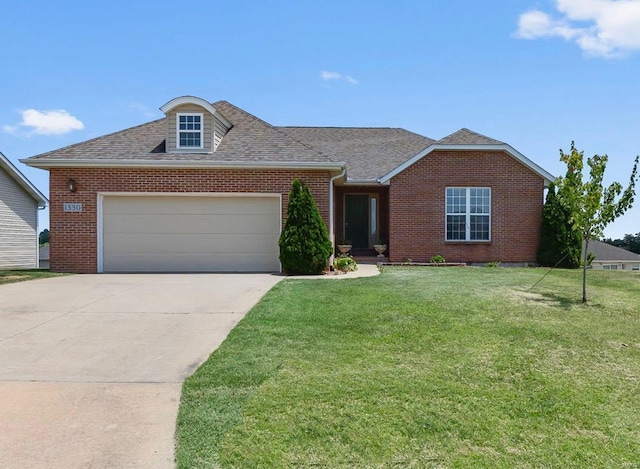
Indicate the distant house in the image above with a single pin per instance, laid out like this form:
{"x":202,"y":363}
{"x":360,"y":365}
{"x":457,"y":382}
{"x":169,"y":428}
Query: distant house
{"x":610,"y":257}
{"x":19,"y":204}
{"x":206,"y":189}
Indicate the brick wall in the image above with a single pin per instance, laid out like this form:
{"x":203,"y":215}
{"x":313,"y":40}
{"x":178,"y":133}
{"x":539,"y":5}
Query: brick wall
{"x":74,"y":235}
{"x":417,"y":207}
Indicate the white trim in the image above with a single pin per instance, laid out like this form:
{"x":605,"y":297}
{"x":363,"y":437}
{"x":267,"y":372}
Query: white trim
{"x":179,"y":131}
{"x":365,"y":182}
{"x":102,"y":195}
{"x":182,"y":163}
{"x":23,"y":182}
{"x":548,"y":177}
{"x":332,"y":228}
{"x":175,"y":102}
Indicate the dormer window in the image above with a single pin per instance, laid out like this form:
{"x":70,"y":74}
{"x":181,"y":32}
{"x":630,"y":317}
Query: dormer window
{"x":189,"y":130}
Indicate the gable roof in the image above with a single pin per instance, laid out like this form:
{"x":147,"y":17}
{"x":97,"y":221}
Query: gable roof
{"x":250,"y":142}
{"x":368,"y":152}
{"x":607,"y":252}
{"x":370,"y":155}
{"x":468,"y":137}
{"x":22,"y":181}
{"x":464,"y":140}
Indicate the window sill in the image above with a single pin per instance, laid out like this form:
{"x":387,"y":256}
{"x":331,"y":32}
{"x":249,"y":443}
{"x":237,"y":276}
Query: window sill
{"x":467,"y":242}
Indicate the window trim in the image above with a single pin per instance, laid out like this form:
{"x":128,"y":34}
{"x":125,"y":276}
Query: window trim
{"x":178,"y":131}
{"x":467,"y":215}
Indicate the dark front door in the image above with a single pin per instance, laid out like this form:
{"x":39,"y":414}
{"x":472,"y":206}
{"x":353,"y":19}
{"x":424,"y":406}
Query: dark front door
{"x":356,"y":220}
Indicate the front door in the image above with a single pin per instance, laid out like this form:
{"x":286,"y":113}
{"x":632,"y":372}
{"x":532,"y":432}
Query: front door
{"x":356,"y":220}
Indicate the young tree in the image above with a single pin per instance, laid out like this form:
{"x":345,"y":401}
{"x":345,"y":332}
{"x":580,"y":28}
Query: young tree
{"x":592,"y":206}
{"x":305,"y":246}
{"x":560,"y":244}
{"x":43,"y":237}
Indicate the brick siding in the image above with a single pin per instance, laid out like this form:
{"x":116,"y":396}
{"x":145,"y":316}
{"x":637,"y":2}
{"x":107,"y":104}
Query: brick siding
{"x":74,"y":235}
{"x":417,"y":207}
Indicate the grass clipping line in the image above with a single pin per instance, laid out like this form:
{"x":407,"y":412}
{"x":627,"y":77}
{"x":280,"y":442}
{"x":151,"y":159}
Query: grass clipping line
{"x":403,"y":370}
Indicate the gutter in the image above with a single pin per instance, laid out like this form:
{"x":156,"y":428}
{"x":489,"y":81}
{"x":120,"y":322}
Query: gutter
{"x":119,"y":163}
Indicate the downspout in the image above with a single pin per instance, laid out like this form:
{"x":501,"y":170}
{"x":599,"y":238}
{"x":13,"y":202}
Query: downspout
{"x":332,"y":234}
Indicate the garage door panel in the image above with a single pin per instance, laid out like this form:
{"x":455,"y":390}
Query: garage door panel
{"x":200,"y":243}
{"x":190,"y":234}
{"x":185,"y":224}
{"x":173,"y":262}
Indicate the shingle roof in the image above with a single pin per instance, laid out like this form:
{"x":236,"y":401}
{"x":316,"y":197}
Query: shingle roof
{"x":250,"y":139}
{"x":468,"y":137}
{"x":368,"y":152}
{"x":607,"y":252}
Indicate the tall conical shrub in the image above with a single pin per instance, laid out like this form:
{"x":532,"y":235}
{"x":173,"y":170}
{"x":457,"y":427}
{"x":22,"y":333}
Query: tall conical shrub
{"x":305,"y":246}
{"x":558,"y":241}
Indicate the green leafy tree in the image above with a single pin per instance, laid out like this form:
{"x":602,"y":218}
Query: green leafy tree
{"x":305,"y":246}
{"x":629,"y":241}
{"x":43,"y":237}
{"x":560,"y":244}
{"x":592,"y":206}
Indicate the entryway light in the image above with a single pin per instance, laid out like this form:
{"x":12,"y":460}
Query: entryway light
{"x":72,"y":185}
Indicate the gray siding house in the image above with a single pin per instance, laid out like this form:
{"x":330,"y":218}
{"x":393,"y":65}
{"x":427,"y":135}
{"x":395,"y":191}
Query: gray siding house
{"x":19,"y":204}
{"x":610,"y":257}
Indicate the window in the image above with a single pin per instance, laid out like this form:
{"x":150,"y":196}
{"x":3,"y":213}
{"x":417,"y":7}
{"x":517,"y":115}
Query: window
{"x":468,"y":216}
{"x":610,"y":266}
{"x":635,"y":267}
{"x":189,"y":131}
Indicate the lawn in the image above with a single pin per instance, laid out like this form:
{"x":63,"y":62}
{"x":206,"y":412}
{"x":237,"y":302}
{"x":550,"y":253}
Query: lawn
{"x":424,"y":367}
{"x":12,"y":276}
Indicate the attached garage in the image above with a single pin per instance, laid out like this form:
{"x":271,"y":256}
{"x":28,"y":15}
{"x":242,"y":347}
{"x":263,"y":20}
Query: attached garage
{"x":189,"y":233}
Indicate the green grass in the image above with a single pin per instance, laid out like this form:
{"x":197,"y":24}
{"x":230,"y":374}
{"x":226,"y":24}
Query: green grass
{"x":420,"y":367}
{"x":20,"y":275}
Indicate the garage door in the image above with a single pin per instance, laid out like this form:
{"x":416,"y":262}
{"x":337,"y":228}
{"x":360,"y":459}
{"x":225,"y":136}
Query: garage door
{"x":190,"y":234}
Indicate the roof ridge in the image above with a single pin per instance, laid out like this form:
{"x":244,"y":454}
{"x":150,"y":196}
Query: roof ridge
{"x":276,"y":129}
{"x":97,"y":138}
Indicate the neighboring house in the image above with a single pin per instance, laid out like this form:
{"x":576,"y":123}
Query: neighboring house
{"x":19,"y":204}
{"x":610,"y":257}
{"x":44,"y":256}
{"x":206,"y":189}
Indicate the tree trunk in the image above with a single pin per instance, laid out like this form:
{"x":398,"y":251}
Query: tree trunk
{"x":584,"y":270}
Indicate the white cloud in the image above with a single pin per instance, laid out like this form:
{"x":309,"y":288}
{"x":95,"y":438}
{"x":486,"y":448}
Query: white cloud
{"x":56,"y":122}
{"x":604,"y":28}
{"x":335,"y":76}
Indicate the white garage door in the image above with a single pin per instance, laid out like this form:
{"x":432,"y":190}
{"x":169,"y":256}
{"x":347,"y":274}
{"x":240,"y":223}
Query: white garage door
{"x":190,"y":234}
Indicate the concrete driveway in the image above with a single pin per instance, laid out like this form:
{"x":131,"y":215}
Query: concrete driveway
{"x":91,"y":366}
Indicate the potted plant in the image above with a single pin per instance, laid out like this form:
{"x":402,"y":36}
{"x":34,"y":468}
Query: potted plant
{"x":380,"y":247}
{"x":344,"y":246}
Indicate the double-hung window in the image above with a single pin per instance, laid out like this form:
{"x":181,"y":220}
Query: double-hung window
{"x":189,"y":130}
{"x":468,"y":214}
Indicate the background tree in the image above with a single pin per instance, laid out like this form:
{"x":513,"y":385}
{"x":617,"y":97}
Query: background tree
{"x":629,"y":242}
{"x":592,"y":206}
{"x":305,"y":246}
{"x":43,"y":237}
{"x":560,"y":244}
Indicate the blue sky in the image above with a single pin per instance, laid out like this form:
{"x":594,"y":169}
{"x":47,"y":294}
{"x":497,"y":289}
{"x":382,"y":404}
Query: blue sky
{"x":536,"y":74}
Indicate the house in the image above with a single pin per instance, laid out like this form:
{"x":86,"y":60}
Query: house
{"x":608,"y":257}
{"x":19,"y":204}
{"x":206,"y":189}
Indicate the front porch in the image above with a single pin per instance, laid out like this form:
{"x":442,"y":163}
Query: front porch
{"x":362,"y":220}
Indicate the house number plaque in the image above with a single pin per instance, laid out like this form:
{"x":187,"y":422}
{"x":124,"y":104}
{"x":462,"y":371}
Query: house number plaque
{"x":69,"y":207}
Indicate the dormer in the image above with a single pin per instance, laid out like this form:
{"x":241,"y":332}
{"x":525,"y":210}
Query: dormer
{"x":193,"y":125}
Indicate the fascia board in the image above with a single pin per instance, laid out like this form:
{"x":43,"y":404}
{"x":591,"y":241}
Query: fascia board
{"x":548,"y":177}
{"x":23,"y":182}
{"x":113,"y":163}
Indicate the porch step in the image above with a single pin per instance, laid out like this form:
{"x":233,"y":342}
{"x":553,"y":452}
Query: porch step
{"x":370,"y":259}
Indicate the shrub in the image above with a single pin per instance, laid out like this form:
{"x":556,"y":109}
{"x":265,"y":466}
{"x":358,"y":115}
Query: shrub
{"x":437,"y":260}
{"x":305,"y":246}
{"x":493,"y":264}
{"x":345,"y":264}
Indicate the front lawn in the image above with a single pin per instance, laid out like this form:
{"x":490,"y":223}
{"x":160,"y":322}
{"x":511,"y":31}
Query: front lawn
{"x":20,"y":275}
{"x":424,"y":367}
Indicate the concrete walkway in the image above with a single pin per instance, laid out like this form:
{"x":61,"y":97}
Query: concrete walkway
{"x":91,"y":366}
